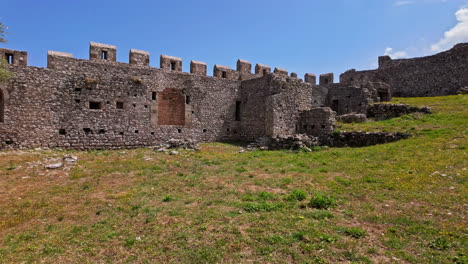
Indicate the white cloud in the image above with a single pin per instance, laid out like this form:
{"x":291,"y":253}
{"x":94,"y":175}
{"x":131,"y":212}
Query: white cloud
{"x":402,"y":3}
{"x":396,"y":54}
{"x":455,"y":35}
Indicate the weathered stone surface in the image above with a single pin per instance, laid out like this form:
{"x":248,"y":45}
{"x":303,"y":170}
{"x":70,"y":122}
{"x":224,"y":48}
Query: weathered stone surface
{"x":54,"y":166}
{"x":363,"y":139}
{"x":295,"y":142}
{"x":103,"y":104}
{"x":352,"y":118}
{"x":386,"y":111}
{"x":440,"y":74}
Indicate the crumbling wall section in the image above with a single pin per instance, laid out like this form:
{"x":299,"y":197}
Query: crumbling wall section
{"x":440,"y":74}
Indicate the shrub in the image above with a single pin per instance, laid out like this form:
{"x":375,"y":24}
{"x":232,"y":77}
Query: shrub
{"x":261,"y":207}
{"x":321,"y":201}
{"x":167,"y":198}
{"x":354,"y":232}
{"x":296,"y":195}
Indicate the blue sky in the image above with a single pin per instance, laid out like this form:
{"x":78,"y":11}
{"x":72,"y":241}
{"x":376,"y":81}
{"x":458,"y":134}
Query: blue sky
{"x":298,"y":35}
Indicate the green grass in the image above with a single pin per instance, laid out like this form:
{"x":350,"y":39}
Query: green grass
{"x":403,"y":202}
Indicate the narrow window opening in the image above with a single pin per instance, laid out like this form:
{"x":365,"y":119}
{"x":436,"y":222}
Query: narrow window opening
{"x":136,"y":131}
{"x":87,"y":131}
{"x":152,"y":133}
{"x":204,"y":130}
{"x":108,"y":102}
{"x":173,"y":66}
{"x":134,"y":105}
{"x":153,"y":96}
{"x":119,"y":105}
{"x":224,"y":74}
{"x":326,"y":81}
{"x":104,"y":55}
{"x":179,"y":130}
{"x":187,"y":99}
{"x":228,"y":130}
{"x":135,"y":95}
{"x":95,"y":105}
{"x":265,"y":72}
{"x":146,"y":106}
{"x":9,"y":58}
{"x":121,"y":133}
{"x":238,"y":108}
{"x":62,"y":132}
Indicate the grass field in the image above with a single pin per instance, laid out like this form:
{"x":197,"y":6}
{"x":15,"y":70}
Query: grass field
{"x":403,"y":202}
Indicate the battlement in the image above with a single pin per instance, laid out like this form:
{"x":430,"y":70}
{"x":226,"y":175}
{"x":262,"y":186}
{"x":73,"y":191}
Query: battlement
{"x":281,"y":71}
{"x":262,"y":70}
{"x":171,"y":63}
{"x":326,"y":79}
{"x":14,"y":57}
{"x":310,"y":78}
{"x":198,"y":68}
{"x":99,"y":51}
{"x":107,"y":54}
{"x":51,"y":55}
{"x":139,"y":57}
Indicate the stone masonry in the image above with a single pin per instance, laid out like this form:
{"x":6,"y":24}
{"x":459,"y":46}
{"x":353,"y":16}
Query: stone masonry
{"x":104,"y":104}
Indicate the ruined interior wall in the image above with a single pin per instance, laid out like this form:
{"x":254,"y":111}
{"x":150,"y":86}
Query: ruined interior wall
{"x":440,"y":74}
{"x":346,"y":99}
{"x":290,"y":96}
{"x":253,"y":102}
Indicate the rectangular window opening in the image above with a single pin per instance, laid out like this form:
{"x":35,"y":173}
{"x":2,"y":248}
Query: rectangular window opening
{"x":9,"y":58}
{"x":224,"y":74}
{"x":265,"y":72}
{"x":187,"y":99}
{"x":95,"y":105}
{"x":104,"y":55}
{"x":153,"y":96}
{"x":62,"y":132}
{"x":119,"y":105}
{"x":173,"y":66}
{"x":87,"y":131}
{"x":238,"y":108}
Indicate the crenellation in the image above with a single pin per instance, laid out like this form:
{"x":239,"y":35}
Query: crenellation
{"x":139,"y":57}
{"x":262,"y":70}
{"x":102,"y":52}
{"x":14,"y":57}
{"x":281,"y":71}
{"x":51,"y":55}
{"x":224,"y":72}
{"x":293,"y":75}
{"x":310,"y":78}
{"x":326,"y":79}
{"x":171,"y":63}
{"x":198,"y":68}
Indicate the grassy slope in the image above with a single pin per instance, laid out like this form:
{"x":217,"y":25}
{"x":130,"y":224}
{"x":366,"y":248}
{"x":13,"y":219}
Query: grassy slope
{"x":221,"y":206}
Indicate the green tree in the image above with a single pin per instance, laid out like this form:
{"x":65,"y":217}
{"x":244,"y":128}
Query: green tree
{"x":5,"y":74}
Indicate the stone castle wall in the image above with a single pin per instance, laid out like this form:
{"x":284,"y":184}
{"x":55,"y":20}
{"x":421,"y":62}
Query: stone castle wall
{"x":104,"y":104}
{"x":440,"y":74}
